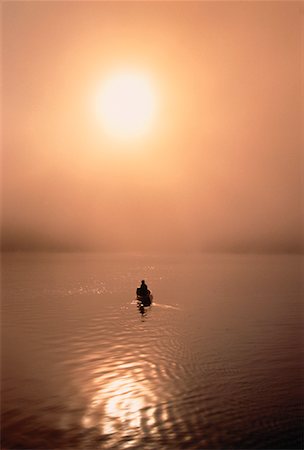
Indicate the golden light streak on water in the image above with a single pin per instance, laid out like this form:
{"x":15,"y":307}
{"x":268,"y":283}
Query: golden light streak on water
{"x":119,"y":408}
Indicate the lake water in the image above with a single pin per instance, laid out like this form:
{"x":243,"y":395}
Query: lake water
{"x":215,"y":363}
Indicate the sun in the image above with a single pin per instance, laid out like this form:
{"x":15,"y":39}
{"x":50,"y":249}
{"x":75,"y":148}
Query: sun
{"x":126,"y":104}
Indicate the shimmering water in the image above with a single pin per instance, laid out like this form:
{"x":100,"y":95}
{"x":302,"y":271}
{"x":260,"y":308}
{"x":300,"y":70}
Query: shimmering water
{"x":215,"y":363}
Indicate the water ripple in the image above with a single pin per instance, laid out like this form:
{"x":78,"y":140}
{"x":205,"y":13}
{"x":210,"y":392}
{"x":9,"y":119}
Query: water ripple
{"x":85,"y":370}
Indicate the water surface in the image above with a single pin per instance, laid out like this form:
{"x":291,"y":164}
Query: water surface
{"x":215,"y":363}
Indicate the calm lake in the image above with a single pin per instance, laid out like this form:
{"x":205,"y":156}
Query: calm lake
{"x":214,"y":363}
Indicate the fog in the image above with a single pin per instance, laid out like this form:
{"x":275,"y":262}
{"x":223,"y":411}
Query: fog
{"x":220,"y":170}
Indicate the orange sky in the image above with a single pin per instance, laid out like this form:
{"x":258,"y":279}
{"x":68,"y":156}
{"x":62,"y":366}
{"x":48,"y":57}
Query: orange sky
{"x":221,"y":167}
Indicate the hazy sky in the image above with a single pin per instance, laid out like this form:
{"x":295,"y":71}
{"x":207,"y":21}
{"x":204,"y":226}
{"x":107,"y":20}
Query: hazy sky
{"x":219,"y":168}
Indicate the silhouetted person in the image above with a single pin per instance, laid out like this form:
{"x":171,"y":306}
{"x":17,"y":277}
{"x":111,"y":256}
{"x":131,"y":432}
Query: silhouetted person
{"x":143,"y":289}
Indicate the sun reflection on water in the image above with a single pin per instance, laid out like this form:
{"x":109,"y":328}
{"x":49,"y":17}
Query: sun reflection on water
{"x":121,"y":408}
{"x":124,"y":407}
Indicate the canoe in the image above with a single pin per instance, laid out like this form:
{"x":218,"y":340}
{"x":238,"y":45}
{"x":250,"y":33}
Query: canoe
{"x":145,"y":300}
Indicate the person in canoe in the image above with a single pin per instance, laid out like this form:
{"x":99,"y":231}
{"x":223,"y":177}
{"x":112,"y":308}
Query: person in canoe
{"x":143,"y":290}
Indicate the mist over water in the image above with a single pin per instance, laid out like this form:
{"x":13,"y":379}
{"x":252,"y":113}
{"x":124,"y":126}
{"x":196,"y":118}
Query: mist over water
{"x":216,"y":362}
{"x":220,"y":170}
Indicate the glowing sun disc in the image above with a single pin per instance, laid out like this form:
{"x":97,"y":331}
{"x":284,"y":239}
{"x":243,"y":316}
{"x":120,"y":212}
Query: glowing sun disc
{"x":126,"y":104}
